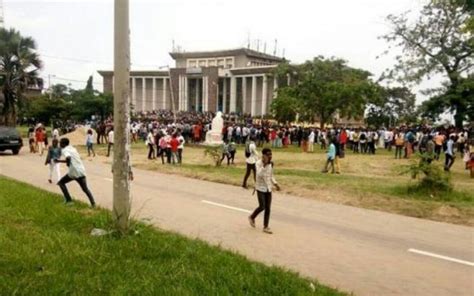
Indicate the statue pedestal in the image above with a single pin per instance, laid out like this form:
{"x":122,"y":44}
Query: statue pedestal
{"x":213,"y":138}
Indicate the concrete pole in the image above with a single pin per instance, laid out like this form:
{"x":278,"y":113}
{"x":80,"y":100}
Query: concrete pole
{"x":121,"y":163}
{"x":244,"y":95}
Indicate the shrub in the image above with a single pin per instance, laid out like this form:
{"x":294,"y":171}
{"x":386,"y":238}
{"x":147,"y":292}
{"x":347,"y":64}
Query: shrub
{"x":215,"y":152}
{"x":430,"y":175}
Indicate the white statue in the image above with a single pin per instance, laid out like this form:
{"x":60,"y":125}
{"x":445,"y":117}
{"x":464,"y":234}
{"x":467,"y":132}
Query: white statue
{"x":214,"y":136}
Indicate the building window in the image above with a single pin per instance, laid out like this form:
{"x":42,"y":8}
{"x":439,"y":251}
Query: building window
{"x":211,"y":63}
{"x":229,"y":63}
{"x":192,"y":64}
{"x":220,"y":62}
{"x":202,"y":63}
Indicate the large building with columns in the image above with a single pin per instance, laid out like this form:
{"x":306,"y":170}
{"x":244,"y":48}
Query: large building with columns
{"x":238,"y":80}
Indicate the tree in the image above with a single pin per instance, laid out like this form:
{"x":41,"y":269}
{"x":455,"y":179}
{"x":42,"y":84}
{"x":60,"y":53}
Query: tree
{"x":19,"y":66}
{"x":462,"y":95}
{"x":392,"y":106}
{"x":285,"y":106}
{"x":323,"y":87}
{"x":440,"y":41}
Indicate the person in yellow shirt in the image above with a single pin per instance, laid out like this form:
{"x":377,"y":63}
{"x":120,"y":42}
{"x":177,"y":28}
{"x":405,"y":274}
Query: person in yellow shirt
{"x":439,"y":140}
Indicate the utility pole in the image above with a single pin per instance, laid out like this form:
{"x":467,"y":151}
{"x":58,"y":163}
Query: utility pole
{"x":121,"y":162}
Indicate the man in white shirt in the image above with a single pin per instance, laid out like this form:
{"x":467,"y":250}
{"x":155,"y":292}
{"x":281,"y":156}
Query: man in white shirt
{"x":311,"y":141}
{"x":264,"y":183}
{"x":76,"y":171}
{"x":180,"y":146}
{"x":110,"y":137}
{"x":251,"y":157}
{"x":56,"y":134}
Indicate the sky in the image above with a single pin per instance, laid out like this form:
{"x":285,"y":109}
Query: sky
{"x":75,"y":38}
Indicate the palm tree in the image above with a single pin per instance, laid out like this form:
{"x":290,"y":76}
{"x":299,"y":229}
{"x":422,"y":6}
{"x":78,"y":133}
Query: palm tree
{"x":19,"y":67}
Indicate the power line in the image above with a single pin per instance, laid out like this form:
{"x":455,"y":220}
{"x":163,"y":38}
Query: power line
{"x":77,"y":60}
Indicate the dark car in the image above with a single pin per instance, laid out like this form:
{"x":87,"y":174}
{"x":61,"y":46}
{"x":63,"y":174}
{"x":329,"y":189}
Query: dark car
{"x":10,"y":139}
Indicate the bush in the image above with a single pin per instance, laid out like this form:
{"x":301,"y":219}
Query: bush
{"x":215,"y":152}
{"x":431,"y":176}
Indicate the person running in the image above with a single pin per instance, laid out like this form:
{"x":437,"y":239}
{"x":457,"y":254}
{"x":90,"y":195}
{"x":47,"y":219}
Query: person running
{"x":263,"y":185}
{"x":251,"y":157}
{"x":90,"y":143}
{"x":54,"y":152}
{"x":76,"y":171}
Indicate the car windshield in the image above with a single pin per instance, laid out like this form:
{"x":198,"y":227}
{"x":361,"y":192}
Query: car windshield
{"x":8,"y":131}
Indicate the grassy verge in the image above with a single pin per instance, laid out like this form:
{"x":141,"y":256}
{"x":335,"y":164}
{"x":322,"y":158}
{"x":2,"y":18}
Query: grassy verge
{"x":46,"y":249}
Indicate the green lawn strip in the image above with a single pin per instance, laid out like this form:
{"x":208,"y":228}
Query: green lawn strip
{"x":46,"y":249}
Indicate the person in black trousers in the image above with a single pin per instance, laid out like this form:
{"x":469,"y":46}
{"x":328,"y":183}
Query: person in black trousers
{"x":265,"y":182}
{"x":76,"y":171}
{"x":251,"y":157}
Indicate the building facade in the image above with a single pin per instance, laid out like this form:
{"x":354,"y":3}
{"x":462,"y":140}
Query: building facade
{"x":239,"y":80}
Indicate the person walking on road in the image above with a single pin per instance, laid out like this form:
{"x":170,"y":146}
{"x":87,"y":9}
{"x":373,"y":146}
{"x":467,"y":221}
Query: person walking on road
{"x":54,"y":152}
{"x":110,"y":137}
{"x":251,"y":157}
{"x":90,"y":143}
{"x":76,"y":171}
{"x":264,"y":183}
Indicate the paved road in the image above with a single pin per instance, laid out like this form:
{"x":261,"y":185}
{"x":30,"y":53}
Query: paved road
{"x":355,"y":250}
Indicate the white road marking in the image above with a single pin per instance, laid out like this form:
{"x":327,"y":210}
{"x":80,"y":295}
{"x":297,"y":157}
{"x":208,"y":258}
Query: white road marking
{"x":225,"y":206}
{"x":108,"y":179}
{"x":441,"y":257}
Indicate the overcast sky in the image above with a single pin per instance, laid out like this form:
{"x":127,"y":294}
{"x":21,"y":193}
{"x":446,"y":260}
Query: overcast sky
{"x":75,"y":38}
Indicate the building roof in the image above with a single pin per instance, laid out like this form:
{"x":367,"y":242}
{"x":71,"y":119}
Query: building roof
{"x":226,"y":53}
{"x":157,"y":73}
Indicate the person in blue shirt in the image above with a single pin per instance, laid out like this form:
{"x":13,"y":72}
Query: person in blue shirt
{"x":449,"y":153}
{"x":331,"y":156}
{"x":54,"y":152}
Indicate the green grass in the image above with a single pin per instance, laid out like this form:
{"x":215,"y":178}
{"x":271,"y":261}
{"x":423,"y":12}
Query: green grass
{"x":46,"y":249}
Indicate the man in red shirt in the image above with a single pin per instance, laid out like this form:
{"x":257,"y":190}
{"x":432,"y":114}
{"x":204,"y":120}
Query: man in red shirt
{"x":174,"y":143}
{"x":40,"y":137}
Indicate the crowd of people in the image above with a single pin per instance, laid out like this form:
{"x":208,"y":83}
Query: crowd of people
{"x":166,"y":135}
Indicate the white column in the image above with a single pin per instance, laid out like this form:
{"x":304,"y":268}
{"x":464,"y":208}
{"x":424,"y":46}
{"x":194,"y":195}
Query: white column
{"x":233,"y":94}
{"x":143,"y":93}
{"x":204,"y":94}
{"x":264,"y":95}
{"x":244,"y":94}
{"x":198,"y":90}
{"x":288,"y":79}
{"x":275,"y":87}
{"x":180,"y":92}
{"x":186,"y":95}
{"x":224,"y":96}
{"x":153,"y":102}
{"x":253,"y":103}
{"x":134,"y":94}
{"x":164,"y":93}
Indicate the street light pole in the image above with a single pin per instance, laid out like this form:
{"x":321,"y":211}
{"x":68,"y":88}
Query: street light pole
{"x":121,"y":162}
